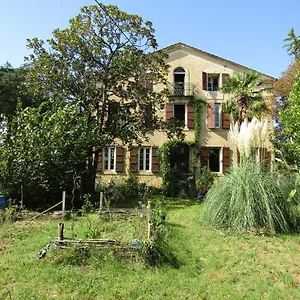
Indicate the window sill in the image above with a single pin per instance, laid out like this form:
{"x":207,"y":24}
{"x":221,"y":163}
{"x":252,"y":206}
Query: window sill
{"x":109,"y":173}
{"x":145,"y":173}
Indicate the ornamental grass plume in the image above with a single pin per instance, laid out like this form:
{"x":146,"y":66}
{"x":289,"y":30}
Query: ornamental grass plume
{"x":249,"y":136}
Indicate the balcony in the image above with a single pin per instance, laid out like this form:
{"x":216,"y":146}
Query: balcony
{"x":181,"y":89}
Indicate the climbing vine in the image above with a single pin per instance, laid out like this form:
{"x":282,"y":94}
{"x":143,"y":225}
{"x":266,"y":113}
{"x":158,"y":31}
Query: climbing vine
{"x":170,"y":176}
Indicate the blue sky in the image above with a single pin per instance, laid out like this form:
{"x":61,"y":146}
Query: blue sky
{"x":249,"y":32}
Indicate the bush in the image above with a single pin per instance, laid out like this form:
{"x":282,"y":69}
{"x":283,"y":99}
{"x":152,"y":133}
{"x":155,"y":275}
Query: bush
{"x":248,"y":198}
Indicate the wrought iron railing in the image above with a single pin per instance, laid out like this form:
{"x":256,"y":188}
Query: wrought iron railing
{"x":181,"y":89}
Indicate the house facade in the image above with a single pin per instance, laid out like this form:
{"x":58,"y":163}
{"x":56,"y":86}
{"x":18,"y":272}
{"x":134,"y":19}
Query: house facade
{"x":193,"y":75}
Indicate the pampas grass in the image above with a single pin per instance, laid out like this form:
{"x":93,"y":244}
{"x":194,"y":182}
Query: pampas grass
{"x":248,"y":198}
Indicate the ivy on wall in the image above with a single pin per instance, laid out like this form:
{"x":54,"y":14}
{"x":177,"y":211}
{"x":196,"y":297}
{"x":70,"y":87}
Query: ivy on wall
{"x":172,"y":177}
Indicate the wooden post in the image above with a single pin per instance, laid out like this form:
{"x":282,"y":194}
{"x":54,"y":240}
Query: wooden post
{"x":149,"y":220}
{"x":63,"y":209}
{"x":22,"y":196}
{"x":60,"y":231}
{"x":101,"y":201}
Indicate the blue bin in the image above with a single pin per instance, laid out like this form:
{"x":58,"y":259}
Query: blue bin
{"x":2,"y":202}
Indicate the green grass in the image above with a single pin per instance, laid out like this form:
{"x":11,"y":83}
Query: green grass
{"x":212,"y":264}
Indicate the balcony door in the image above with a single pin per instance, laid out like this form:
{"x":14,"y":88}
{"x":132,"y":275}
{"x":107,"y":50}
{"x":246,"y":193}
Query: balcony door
{"x":179,"y":82}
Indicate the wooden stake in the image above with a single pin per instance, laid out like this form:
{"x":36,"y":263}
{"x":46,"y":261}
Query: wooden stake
{"x":101,"y":201}
{"x":60,"y":231}
{"x":63,"y":209}
{"x":149,"y":220}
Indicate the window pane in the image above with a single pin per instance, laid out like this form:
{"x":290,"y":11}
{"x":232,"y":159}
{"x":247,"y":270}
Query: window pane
{"x":106,"y":158}
{"x":147,"y":159}
{"x":214,"y":159}
{"x":141,"y":161}
{"x":112,"y":159}
{"x":179,"y":112}
{"x":217,"y":115}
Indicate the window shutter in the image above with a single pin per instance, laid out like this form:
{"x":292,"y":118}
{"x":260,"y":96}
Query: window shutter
{"x":204,"y":81}
{"x":204,"y":156}
{"x":120,"y":159}
{"x":224,"y":78}
{"x":134,"y":159}
{"x":210,"y":116}
{"x":225,"y":120}
{"x":190,"y":115}
{"x":226,"y":159}
{"x":155,"y":160}
{"x":169,"y":111}
{"x":99,"y":162}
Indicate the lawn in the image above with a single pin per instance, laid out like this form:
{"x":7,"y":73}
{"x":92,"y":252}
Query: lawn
{"x":212,"y":264}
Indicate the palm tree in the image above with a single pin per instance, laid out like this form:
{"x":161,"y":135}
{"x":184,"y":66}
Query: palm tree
{"x":246,"y":100}
{"x":293,"y":47}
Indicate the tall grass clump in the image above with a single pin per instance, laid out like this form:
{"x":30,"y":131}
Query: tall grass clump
{"x":250,"y":197}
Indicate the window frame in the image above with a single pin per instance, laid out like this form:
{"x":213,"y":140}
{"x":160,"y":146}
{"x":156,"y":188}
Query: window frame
{"x":144,"y":163}
{"x":210,"y":82}
{"x":109,"y":160}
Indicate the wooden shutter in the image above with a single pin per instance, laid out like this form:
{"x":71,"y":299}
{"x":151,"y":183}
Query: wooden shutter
{"x":169,"y":111}
{"x":120,"y":159}
{"x":226,"y":159}
{"x":210,"y":116}
{"x":99,"y":162}
{"x":155,"y":160}
{"x":204,"y":81}
{"x":224,"y":78}
{"x":134,"y":159}
{"x":204,"y":156}
{"x":190,"y":115}
{"x":225,"y":120}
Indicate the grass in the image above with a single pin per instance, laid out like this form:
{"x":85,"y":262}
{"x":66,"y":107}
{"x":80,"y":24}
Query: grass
{"x":212,"y":264}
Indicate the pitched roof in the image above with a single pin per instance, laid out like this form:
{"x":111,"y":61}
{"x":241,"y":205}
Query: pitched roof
{"x":215,"y":58}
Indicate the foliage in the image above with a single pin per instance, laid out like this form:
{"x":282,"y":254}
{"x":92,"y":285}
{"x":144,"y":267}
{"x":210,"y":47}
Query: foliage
{"x":284,"y":84}
{"x":172,"y":177}
{"x":47,"y":147}
{"x":99,"y":66}
{"x":13,"y":92}
{"x":287,"y":140}
{"x":246,"y":100}
{"x":205,"y":180}
{"x":248,"y":198}
{"x":293,"y":45}
{"x":127,"y":192}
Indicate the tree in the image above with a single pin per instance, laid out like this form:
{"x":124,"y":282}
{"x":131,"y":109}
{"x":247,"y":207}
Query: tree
{"x":293,"y":45}
{"x":288,"y":138}
{"x":284,"y":84}
{"x":102,"y":64}
{"x":45,"y":152}
{"x":13,"y":91}
{"x":246,"y":100}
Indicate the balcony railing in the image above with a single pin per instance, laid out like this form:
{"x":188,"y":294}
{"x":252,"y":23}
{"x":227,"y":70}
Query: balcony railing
{"x":181,"y":89}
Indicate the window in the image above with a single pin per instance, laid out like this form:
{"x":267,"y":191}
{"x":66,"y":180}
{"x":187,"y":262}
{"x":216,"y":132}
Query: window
{"x":180,"y":112}
{"x":214,"y":159}
{"x":218,"y":115}
{"x":109,"y":158}
{"x":145,"y":159}
{"x":212,"y":82}
{"x":179,"y":81}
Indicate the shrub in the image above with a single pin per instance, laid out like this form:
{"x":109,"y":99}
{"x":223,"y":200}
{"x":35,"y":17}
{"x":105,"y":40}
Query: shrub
{"x":247,"y":198}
